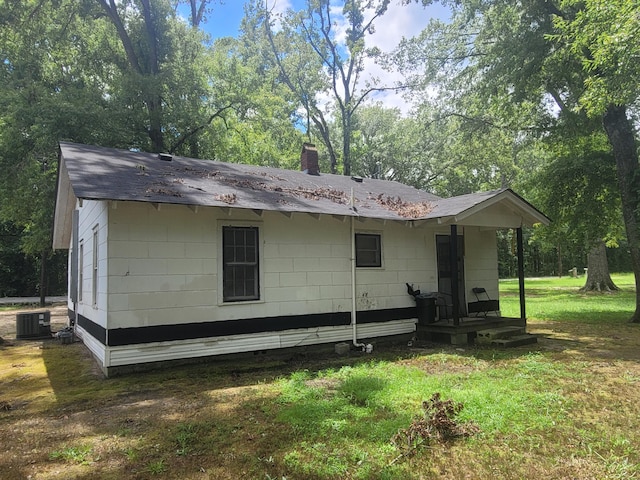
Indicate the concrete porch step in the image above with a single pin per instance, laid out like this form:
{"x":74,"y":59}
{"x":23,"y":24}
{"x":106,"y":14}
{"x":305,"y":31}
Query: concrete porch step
{"x":491,"y":334}
{"x":515,"y":341}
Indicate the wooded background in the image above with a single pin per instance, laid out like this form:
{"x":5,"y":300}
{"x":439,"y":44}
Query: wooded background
{"x":541,"y":97}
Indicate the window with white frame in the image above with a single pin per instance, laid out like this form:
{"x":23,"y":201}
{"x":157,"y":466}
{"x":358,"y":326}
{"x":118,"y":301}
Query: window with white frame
{"x":240,"y":264}
{"x":80,"y":270}
{"x":368,"y":250}
{"x":94,"y":273}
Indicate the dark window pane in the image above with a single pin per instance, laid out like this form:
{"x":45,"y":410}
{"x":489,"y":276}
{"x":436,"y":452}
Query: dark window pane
{"x":368,"y":250}
{"x":240,"y":264}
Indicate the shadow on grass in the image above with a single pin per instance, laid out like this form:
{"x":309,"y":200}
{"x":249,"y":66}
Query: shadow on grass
{"x":227,"y":417}
{"x":221,"y":416}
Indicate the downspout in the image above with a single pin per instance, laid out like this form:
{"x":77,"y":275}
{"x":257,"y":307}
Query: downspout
{"x":354,"y":324}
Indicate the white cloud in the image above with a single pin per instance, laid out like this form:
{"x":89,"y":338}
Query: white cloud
{"x":280,"y":6}
{"x":398,"y":22}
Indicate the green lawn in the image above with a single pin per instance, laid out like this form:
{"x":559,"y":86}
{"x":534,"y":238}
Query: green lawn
{"x":565,"y":408}
{"x":560,"y":299}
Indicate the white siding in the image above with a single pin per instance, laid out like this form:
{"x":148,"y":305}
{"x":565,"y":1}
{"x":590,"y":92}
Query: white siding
{"x":93,"y":214}
{"x":163,"y":266}
{"x":481,"y":261}
{"x":163,"y":269}
{"x":162,"y":351}
{"x":98,"y":350}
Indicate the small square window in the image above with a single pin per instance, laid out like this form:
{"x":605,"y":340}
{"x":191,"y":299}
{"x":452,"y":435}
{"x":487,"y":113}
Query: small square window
{"x":368,"y":250}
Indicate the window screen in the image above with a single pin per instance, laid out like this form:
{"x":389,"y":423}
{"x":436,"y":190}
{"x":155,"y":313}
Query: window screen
{"x":368,"y":250}
{"x":240,"y":264}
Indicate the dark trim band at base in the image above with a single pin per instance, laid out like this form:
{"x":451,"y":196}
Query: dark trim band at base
{"x":192,"y":331}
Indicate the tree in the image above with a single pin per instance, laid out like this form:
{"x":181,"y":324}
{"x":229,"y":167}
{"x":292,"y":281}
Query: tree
{"x":604,"y":36}
{"x":63,"y":76}
{"x":318,"y":63}
{"x":44,"y":95}
{"x":139,"y":25}
{"x":259,"y":125}
{"x":576,"y":186}
{"x":197,"y":11}
{"x":547,"y":57}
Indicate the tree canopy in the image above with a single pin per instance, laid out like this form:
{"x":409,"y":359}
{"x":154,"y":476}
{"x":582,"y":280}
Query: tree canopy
{"x":502,"y":94}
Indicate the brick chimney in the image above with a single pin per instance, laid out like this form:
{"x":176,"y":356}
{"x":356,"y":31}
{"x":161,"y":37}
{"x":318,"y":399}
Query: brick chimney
{"x":309,"y":159}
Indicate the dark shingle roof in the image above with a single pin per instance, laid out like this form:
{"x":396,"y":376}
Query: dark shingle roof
{"x":110,"y":174}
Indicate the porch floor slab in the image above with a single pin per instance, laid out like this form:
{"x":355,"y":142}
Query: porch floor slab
{"x":445,"y":331}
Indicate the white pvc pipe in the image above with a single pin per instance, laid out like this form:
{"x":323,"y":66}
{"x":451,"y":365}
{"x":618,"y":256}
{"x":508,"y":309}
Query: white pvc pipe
{"x":354,"y":324}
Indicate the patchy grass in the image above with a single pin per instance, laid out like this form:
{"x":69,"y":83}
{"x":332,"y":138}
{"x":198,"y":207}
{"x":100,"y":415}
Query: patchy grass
{"x":565,"y":408}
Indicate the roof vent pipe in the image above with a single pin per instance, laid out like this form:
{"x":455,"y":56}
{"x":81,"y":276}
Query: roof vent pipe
{"x":166,"y":157}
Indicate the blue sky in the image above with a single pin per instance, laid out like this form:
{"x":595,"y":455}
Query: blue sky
{"x":224,"y":19}
{"x":399,"y":21}
{"x":226,"y":15}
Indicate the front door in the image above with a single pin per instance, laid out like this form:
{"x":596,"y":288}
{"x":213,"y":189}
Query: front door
{"x":443,"y":243}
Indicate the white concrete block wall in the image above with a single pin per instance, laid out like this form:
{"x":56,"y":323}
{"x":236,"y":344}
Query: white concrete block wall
{"x":163,"y":266}
{"x":481,"y":261}
{"x":93,"y":214}
{"x":406,"y":259}
{"x":299,"y":263}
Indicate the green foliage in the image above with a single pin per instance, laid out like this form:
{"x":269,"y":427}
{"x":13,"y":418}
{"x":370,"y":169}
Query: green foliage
{"x":156,"y":467}
{"x":577,"y":188}
{"x":68,"y":73}
{"x":521,"y":111}
{"x":603,"y":36}
{"x":75,"y":454}
{"x":362,"y":390}
{"x":314,"y":61}
{"x":186,"y":437}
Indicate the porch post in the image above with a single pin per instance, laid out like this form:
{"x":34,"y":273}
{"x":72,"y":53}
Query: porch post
{"x":523,"y":313}
{"x":453,"y":263}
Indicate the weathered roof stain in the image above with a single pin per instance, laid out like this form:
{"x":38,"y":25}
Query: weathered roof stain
{"x":100,"y":173}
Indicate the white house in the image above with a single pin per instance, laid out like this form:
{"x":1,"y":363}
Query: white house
{"x":174,"y":258}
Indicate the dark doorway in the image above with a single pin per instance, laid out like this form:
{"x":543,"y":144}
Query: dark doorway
{"x":443,"y":243}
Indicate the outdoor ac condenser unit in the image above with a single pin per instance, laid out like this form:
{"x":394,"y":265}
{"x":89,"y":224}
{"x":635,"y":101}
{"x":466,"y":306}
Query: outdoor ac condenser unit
{"x":33,"y":324}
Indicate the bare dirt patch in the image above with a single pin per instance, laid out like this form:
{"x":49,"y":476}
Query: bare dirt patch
{"x":59,"y":319}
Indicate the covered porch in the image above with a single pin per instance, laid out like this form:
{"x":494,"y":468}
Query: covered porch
{"x":468,"y":320}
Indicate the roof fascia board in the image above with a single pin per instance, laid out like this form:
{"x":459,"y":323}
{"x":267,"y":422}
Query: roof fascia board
{"x":65,"y":205}
{"x":478,"y":207}
{"x":510,"y":200}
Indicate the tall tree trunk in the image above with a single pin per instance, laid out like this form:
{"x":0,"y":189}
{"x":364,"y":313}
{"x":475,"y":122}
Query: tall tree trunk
{"x":560,"y":267}
{"x":621,"y":136}
{"x":598,"y":277}
{"x":43,"y":278}
{"x":346,"y":144}
{"x":146,"y":66}
{"x":154,"y":107}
